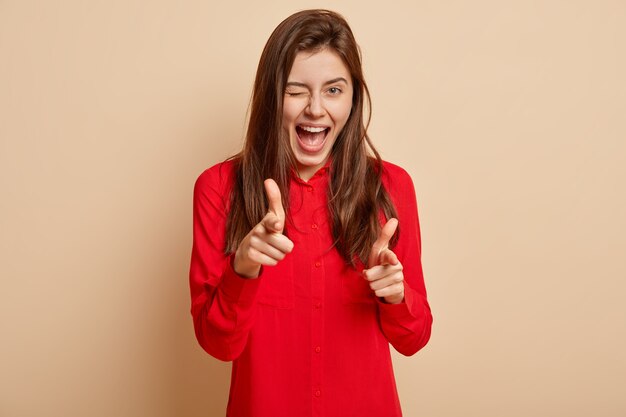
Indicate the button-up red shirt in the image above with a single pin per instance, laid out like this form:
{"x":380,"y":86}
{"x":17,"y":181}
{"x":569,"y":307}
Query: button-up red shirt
{"x":308,"y":337}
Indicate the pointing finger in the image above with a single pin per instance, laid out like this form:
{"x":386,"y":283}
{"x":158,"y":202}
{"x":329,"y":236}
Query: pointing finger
{"x":387,"y":257}
{"x":272,"y":223}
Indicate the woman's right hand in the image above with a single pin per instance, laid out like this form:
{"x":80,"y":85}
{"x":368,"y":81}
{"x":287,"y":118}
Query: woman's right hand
{"x":265,"y":244}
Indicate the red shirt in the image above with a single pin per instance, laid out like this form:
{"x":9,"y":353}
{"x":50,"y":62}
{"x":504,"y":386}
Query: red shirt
{"x":308,"y":337}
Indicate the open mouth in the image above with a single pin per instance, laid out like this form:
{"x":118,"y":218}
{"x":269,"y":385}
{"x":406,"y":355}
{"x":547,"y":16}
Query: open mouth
{"x":311,"y":139}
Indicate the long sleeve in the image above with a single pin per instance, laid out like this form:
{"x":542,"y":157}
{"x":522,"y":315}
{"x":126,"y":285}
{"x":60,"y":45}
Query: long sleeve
{"x":223,"y":304}
{"x":407,"y":325}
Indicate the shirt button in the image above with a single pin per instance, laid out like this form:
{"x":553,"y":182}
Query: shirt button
{"x":318,"y":264}
{"x":318,"y":349}
{"x":313,"y":226}
{"x":318,"y":393}
{"x":318,"y":305}
{"x":309,"y":189}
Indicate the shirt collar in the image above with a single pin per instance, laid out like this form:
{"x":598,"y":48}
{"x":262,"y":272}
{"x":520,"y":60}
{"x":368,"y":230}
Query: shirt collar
{"x":319,"y":174}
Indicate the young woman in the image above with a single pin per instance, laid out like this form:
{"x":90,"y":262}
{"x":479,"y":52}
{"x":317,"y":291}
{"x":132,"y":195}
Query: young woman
{"x":306,"y":251}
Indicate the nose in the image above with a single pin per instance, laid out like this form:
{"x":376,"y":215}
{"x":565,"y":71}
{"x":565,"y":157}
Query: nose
{"x":316,"y":106}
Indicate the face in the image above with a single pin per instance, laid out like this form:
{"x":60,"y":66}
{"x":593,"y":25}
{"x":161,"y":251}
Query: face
{"x":317,"y":104}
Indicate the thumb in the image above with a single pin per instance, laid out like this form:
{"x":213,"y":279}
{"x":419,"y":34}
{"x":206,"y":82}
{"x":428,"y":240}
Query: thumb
{"x":382,"y":242}
{"x":275,"y":205}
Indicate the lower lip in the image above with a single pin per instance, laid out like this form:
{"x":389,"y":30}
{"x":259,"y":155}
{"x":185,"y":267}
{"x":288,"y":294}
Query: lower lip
{"x":312,"y":148}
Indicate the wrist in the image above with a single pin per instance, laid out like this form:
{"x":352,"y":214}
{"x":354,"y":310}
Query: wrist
{"x":394,"y":299}
{"x":245,"y":269}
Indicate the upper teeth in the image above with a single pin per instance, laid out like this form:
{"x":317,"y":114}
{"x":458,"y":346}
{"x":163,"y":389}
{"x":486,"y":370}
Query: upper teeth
{"x":313,"y":129}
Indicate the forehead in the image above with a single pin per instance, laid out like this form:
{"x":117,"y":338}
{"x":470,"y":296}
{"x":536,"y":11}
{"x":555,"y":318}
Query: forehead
{"x":318,"y":65}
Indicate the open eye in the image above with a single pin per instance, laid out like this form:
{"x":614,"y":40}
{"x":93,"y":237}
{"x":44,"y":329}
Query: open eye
{"x":334,"y":90}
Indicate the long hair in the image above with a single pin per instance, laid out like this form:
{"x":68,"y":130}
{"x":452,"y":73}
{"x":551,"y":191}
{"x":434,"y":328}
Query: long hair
{"x":355,"y":193}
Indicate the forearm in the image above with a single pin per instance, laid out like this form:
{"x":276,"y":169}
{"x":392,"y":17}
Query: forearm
{"x":406,"y":325}
{"x":224,"y":315}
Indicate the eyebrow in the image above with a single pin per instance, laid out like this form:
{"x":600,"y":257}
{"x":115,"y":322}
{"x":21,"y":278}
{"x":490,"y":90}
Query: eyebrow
{"x":333,"y":81}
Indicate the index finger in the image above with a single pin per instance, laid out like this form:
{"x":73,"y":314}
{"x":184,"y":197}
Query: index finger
{"x":387,"y":257}
{"x":272,"y":223}
{"x":382,"y":242}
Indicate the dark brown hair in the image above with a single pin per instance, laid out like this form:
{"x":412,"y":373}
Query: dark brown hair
{"x":355,"y":193}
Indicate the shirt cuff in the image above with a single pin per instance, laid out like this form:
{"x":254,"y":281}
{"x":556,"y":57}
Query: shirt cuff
{"x":401,"y":310}
{"x":239,"y":289}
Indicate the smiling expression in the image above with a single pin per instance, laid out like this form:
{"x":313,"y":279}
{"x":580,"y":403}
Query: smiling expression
{"x":317,"y":104}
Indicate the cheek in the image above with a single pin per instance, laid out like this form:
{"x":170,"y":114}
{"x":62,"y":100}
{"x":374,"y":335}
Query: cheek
{"x":291,"y":111}
{"x":342,"y":111}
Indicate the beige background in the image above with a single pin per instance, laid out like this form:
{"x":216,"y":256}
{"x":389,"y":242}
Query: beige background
{"x":509,"y":115}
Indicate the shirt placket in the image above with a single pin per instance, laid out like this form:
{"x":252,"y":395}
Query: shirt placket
{"x":314,"y":196}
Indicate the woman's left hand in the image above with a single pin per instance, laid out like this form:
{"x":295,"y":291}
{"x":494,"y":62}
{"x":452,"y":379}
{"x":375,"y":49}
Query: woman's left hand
{"x":385,"y":270}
